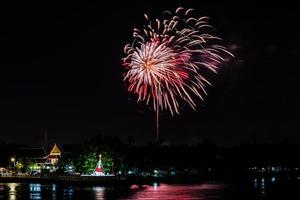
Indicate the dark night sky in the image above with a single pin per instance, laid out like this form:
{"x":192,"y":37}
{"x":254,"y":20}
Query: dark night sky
{"x":61,"y":71}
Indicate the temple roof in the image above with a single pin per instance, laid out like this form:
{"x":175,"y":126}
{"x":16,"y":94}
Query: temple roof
{"x":55,"y":151}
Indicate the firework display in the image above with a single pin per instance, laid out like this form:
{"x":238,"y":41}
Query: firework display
{"x":168,"y":62}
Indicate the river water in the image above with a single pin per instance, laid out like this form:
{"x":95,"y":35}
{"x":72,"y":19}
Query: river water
{"x":260,"y":189}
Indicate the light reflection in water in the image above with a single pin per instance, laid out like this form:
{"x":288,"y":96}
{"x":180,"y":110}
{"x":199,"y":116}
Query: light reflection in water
{"x":35,"y":191}
{"x":53,"y":191}
{"x":262,"y":183}
{"x":68,"y":193}
{"x":205,"y":191}
{"x":12,"y":190}
{"x":255,"y":183}
{"x":273,"y":179}
{"x":182,"y":192}
{"x":99,"y":193}
{"x":155,"y":186}
{"x":263,"y":186}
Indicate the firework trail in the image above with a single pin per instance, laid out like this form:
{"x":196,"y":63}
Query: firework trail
{"x":168,"y":60}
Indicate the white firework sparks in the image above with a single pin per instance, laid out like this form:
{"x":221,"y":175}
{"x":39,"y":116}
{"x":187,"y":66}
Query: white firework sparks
{"x":168,"y":60}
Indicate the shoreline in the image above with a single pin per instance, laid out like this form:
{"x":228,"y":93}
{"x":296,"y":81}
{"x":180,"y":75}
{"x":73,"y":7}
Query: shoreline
{"x":101,"y":180}
{"x":126,"y":181}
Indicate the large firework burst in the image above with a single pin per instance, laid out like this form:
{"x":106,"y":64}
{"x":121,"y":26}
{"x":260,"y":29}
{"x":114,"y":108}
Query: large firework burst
{"x":169,"y":59}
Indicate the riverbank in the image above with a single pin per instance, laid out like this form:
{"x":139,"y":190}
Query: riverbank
{"x":94,"y":180}
{"x":100,"y":180}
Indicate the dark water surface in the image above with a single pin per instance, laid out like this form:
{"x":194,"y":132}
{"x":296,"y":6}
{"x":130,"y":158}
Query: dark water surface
{"x":257,"y":188}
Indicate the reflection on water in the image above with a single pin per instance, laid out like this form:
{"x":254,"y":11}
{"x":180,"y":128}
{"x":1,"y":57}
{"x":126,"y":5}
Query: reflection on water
{"x":155,"y":186}
{"x":12,"y":191}
{"x":273,"y":179}
{"x":156,"y":191}
{"x":260,"y":184}
{"x":259,"y":188}
{"x":53,"y":191}
{"x":99,"y":192}
{"x":68,"y":192}
{"x":35,"y":191}
{"x":275,"y":187}
{"x":182,"y":192}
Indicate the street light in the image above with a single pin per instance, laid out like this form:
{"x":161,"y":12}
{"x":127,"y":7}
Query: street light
{"x":13,"y":160}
